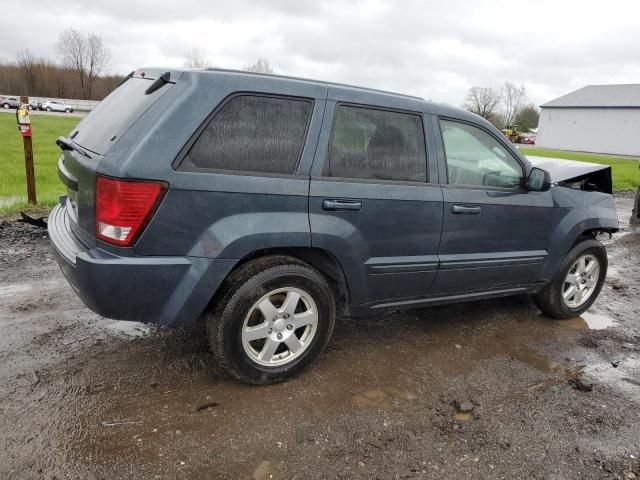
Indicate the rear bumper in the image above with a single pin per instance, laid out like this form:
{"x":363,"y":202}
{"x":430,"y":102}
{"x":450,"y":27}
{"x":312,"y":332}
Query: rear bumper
{"x":162,"y":290}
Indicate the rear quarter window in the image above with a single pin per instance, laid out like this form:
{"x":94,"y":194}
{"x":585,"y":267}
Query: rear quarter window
{"x":253,"y":133}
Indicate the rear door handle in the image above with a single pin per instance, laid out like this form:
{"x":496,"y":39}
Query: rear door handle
{"x":466,"y":209}
{"x":334,"y":205}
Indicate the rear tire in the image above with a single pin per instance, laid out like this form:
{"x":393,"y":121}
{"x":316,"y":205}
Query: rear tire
{"x":576,"y":285}
{"x":272,"y":317}
{"x":67,"y":110}
{"x":6,"y":105}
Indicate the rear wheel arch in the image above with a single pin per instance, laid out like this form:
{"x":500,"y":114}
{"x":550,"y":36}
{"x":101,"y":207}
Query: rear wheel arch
{"x":321,"y":260}
{"x":232,"y":329}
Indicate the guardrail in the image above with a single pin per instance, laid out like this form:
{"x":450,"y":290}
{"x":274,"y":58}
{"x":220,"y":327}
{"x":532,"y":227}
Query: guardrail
{"x":80,"y":105}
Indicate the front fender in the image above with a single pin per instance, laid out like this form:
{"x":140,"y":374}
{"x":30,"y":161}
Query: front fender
{"x":586,"y":211}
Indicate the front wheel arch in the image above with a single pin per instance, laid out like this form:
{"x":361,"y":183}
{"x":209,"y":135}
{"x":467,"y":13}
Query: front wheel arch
{"x":548,"y":299}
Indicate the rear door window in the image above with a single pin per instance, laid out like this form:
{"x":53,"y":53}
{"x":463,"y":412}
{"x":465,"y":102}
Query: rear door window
{"x":253,"y":133}
{"x":369,"y":143}
{"x":116,"y":114}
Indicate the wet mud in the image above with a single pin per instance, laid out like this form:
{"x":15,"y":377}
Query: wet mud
{"x":488,"y":389}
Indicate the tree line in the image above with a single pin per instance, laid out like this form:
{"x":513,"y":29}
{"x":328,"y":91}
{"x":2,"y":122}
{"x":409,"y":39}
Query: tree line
{"x":79,"y":73}
{"x":503,"y":106}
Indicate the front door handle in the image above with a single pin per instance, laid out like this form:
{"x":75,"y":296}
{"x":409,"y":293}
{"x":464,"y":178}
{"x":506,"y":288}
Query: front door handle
{"x":466,"y":209}
{"x":335,"y":205}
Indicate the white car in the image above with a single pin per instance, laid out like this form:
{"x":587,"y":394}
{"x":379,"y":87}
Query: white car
{"x":56,"y":106}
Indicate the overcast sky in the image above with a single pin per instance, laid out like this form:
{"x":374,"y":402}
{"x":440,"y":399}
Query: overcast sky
{"x":435,"y":49}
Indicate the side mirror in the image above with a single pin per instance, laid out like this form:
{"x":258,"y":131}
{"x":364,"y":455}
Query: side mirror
{"x":539,"y":180}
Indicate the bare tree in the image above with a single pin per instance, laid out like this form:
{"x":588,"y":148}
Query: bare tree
{"x":482,"y":101}
{"x":28,"y":63}
{"x":196,"y":59}
{"x":513,"y":99}
{"x":71,"y":46}
{"x":86,"y":54}
{"x":98,"y":57}
{"x":262,"y":65}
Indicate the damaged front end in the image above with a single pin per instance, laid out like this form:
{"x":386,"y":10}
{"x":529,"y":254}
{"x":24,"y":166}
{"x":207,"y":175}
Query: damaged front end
{"x":585,"y":190}
{"x":590,"y":177}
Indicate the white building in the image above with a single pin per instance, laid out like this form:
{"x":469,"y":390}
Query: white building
{"x":596,"y":118}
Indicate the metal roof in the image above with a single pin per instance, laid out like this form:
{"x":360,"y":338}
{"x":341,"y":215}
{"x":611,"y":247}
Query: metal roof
{"x":599,"y":96}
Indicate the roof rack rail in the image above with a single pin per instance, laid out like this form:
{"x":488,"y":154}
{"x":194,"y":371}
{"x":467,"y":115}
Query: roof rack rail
{"x":289,"y":77}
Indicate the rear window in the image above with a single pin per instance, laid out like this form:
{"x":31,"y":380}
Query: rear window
{"x":368,"y":143}
{"x":115,"y":114}
{"x":253,"y":133}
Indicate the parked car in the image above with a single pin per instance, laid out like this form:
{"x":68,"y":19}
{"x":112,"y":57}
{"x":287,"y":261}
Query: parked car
{"x":10,"y":102}
{"x":35,"y":104}
{"x":529,"y":138}
{"x":264,"y":205}
{"x":56,"y":106}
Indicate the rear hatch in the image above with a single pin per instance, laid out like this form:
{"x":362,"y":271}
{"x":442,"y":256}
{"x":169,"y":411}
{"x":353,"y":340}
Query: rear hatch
{"x":94,"y":136}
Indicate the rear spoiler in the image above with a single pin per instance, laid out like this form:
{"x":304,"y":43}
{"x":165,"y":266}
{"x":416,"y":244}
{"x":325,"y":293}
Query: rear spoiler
{"x":159,"y":81}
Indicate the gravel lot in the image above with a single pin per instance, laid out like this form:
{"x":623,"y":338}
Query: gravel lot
{"x":487,"y":389}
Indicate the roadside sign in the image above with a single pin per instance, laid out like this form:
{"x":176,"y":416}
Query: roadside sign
{"x":24,"y":122}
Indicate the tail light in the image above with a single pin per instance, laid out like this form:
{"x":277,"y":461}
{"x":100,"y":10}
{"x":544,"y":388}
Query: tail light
{"x":124,"y":207}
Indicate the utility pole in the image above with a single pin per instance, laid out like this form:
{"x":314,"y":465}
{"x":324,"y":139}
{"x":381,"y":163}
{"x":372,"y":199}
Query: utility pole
{"x":24,"y":125}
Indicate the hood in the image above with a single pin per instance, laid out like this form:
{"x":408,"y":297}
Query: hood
{"x":583,"y":175}
{"x":561,"y":169}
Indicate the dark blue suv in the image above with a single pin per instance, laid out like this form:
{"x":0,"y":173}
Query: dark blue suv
{"x":266,"y":204}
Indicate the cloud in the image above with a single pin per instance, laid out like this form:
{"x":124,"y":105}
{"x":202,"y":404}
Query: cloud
{"x":437,"y":50}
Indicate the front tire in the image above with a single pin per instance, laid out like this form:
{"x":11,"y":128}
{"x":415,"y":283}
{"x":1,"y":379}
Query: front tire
{"x":635,"y":213}
{"x":48,"y":109}
{"x":577,"y":283}
{"x":67,"y":110}
{"x":274,"y":315}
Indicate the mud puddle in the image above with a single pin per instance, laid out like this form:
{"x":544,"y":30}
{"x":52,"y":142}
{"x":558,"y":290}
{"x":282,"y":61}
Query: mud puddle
{"x":589,"y":321}
{"x":188,"y":417}
{"x":621,"y":374}
{"x":127,"y":329}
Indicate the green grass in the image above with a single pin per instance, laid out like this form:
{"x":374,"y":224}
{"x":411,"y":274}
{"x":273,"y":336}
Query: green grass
{"x":624,"y":171}
{"x":13,"y":189}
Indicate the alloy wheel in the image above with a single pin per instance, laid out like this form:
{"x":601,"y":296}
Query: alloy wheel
{"x":280,"y":326}
{"x":581,"y":281}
